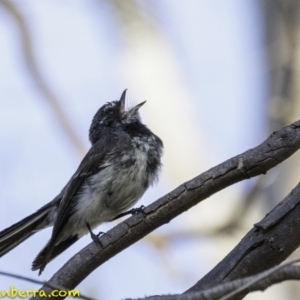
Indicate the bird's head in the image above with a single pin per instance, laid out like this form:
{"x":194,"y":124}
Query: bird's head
{"x":113,"y":114}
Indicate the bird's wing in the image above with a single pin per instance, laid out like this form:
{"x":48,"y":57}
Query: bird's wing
{"x":94,"y":161}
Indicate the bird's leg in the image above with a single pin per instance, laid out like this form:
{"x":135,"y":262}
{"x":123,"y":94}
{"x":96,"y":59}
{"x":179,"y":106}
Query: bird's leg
{"x":95,"y":237}
{"x":132,"y":212}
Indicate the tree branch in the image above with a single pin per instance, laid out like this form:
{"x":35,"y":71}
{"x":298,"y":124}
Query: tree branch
{"x":249,"y":284}
{"x":270,"y":242}
{"x":278,"y":147}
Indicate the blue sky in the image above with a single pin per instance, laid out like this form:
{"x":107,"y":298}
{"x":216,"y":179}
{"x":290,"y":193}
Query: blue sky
{"x":201,"y":67}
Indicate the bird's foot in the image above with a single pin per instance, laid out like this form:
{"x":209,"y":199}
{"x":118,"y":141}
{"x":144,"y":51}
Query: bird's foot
{"x":135,"y":211}
{"x":95,"y":237}
{"x":132,"y":212}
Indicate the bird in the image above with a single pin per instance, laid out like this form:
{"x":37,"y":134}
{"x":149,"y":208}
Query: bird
{"x":123,"y":161}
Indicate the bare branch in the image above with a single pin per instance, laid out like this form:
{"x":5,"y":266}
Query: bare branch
{"x":270,"y":242}
{"x":278,"y":147}
{"x":264,"y":278}
{"x":249,"y":284}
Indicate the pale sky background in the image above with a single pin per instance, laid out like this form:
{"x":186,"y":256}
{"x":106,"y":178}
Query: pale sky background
{"x":201,"y":68}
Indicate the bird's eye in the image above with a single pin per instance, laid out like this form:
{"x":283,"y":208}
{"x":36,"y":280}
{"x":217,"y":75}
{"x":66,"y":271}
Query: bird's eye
{"x":110,"y":112}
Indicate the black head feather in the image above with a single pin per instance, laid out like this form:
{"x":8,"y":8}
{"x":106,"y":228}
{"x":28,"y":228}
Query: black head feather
{"x":113,"y":114}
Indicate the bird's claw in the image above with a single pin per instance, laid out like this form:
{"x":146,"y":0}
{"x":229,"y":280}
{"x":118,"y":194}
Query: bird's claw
{"x":135,"y":211}
{"x":132,"y":212}
{"x":95,"y":237}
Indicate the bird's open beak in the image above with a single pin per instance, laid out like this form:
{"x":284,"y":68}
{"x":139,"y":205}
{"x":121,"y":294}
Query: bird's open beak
{"x":131,"y":112}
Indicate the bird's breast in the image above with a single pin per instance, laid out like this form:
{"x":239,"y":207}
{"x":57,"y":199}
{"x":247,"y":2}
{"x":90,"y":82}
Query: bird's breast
{"x":117,"y":187}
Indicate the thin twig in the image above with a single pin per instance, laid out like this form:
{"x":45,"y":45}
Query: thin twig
{"x":52,"y":286}
{"x":267,"y":278}
{"x":258,"y":278}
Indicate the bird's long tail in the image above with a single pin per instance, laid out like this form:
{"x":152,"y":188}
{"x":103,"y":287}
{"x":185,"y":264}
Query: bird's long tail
{"x":12,"y":236}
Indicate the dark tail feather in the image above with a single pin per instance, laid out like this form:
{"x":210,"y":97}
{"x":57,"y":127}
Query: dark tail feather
{"x":19,"y":232}
{"x":43,"y":257}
